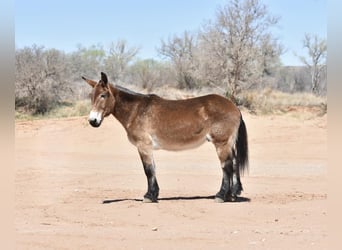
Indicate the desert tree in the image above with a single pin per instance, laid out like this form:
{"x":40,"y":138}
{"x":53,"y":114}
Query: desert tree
{"x":237,"y":48}
{"x":118,"y":59}
{"x":291,"y":79}
{"x":316,"y":61}
{"x":150,"y":73}
{"x":87,"y":61}
{"x":180,"y":49}
{"x":41,"y":78}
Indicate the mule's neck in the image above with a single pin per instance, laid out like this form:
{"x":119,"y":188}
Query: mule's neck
{"x":126,"y":105}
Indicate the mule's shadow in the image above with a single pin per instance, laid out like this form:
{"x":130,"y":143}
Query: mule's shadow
{"x":176,"y":198}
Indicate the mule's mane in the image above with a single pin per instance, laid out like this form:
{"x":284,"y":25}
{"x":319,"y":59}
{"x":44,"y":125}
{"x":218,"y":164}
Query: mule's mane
{"x":128,"y":91}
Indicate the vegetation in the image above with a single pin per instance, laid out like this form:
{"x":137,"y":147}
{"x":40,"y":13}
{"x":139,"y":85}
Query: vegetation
{"x":235,"y":54}
{"x":317,"y":50}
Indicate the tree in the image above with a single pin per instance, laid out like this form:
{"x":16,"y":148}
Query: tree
{"x":317,"y":51}
{"x":149,"y":73}
{"x":181,"y":51}
{"x":87,"y":61}
{"x":118,"y":59}
{"x":237,"y":49}
{"x":41,"y":78}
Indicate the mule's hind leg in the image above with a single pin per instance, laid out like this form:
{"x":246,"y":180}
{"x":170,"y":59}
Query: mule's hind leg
{"x":236,"y":185}
{"x":149,"y":168}
{"x":231,"y":179}
{"x":226,"y":158}
{"x":225,"y":191}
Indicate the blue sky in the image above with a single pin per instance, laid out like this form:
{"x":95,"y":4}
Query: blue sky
{"x":63,"y":24}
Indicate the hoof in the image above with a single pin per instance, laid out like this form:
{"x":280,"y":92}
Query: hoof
{"x":148,"y":200}
{"x":219,"y":200}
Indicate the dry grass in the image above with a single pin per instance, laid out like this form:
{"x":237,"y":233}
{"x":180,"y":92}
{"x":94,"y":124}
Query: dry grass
{"x":276,"y":102}
{"x":79,"y":108}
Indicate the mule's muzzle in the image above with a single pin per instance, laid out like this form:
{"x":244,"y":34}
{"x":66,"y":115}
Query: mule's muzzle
{"x":95,"y":119}
{"x":95,"y":123}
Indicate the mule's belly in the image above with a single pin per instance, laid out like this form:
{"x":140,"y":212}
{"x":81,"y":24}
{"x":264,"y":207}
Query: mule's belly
{"x":177,"y":143}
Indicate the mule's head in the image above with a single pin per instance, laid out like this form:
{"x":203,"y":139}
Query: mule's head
{"x":102,"y":100}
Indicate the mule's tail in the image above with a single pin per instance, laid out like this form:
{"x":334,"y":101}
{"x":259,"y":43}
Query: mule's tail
{"x":241,"y":147}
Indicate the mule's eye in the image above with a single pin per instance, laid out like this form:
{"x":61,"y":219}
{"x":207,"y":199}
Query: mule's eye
{"x":103,"y":95}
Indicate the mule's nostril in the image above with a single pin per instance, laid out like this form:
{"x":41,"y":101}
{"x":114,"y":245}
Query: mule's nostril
{"x":94,"y":123}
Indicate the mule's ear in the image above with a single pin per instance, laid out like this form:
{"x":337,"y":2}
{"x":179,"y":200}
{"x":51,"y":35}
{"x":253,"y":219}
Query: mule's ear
{"x":104,"y":78}
{"x":90,"y":82}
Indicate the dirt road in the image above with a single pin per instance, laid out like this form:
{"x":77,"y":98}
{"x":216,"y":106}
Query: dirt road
{"x":78,"y":187}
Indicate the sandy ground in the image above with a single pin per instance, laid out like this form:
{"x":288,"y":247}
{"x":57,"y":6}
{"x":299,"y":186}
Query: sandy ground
{"x":78,"y":187}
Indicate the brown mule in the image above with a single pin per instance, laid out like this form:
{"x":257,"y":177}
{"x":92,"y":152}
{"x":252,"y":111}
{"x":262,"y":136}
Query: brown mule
{"x":152,"y":122}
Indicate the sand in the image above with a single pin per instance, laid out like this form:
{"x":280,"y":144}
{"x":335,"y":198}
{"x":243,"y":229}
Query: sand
{"x":77,"y":187}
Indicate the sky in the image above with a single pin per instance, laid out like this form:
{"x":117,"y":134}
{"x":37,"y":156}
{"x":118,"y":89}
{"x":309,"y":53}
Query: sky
{"x":64,"y":24}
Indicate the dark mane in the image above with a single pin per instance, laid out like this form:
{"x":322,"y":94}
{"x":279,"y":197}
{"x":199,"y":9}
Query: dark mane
{"x":128,"y":91}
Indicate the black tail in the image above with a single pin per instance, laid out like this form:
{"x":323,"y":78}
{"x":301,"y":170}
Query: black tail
{"x":242,"y":147}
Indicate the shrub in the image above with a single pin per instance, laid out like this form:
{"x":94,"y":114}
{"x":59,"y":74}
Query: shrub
{"x":40,"y":79}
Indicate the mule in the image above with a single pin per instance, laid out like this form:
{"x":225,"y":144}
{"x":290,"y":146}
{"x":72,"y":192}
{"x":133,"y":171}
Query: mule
{"x":152,"y":123}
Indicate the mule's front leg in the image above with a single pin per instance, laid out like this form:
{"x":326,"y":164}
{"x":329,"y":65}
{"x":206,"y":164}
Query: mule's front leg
{"x":149,"y":168}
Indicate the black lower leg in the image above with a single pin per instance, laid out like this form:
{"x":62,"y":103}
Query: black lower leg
{"x":225,"y":190}
{"x":236,"y":185}
{"x":153,"y":188}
